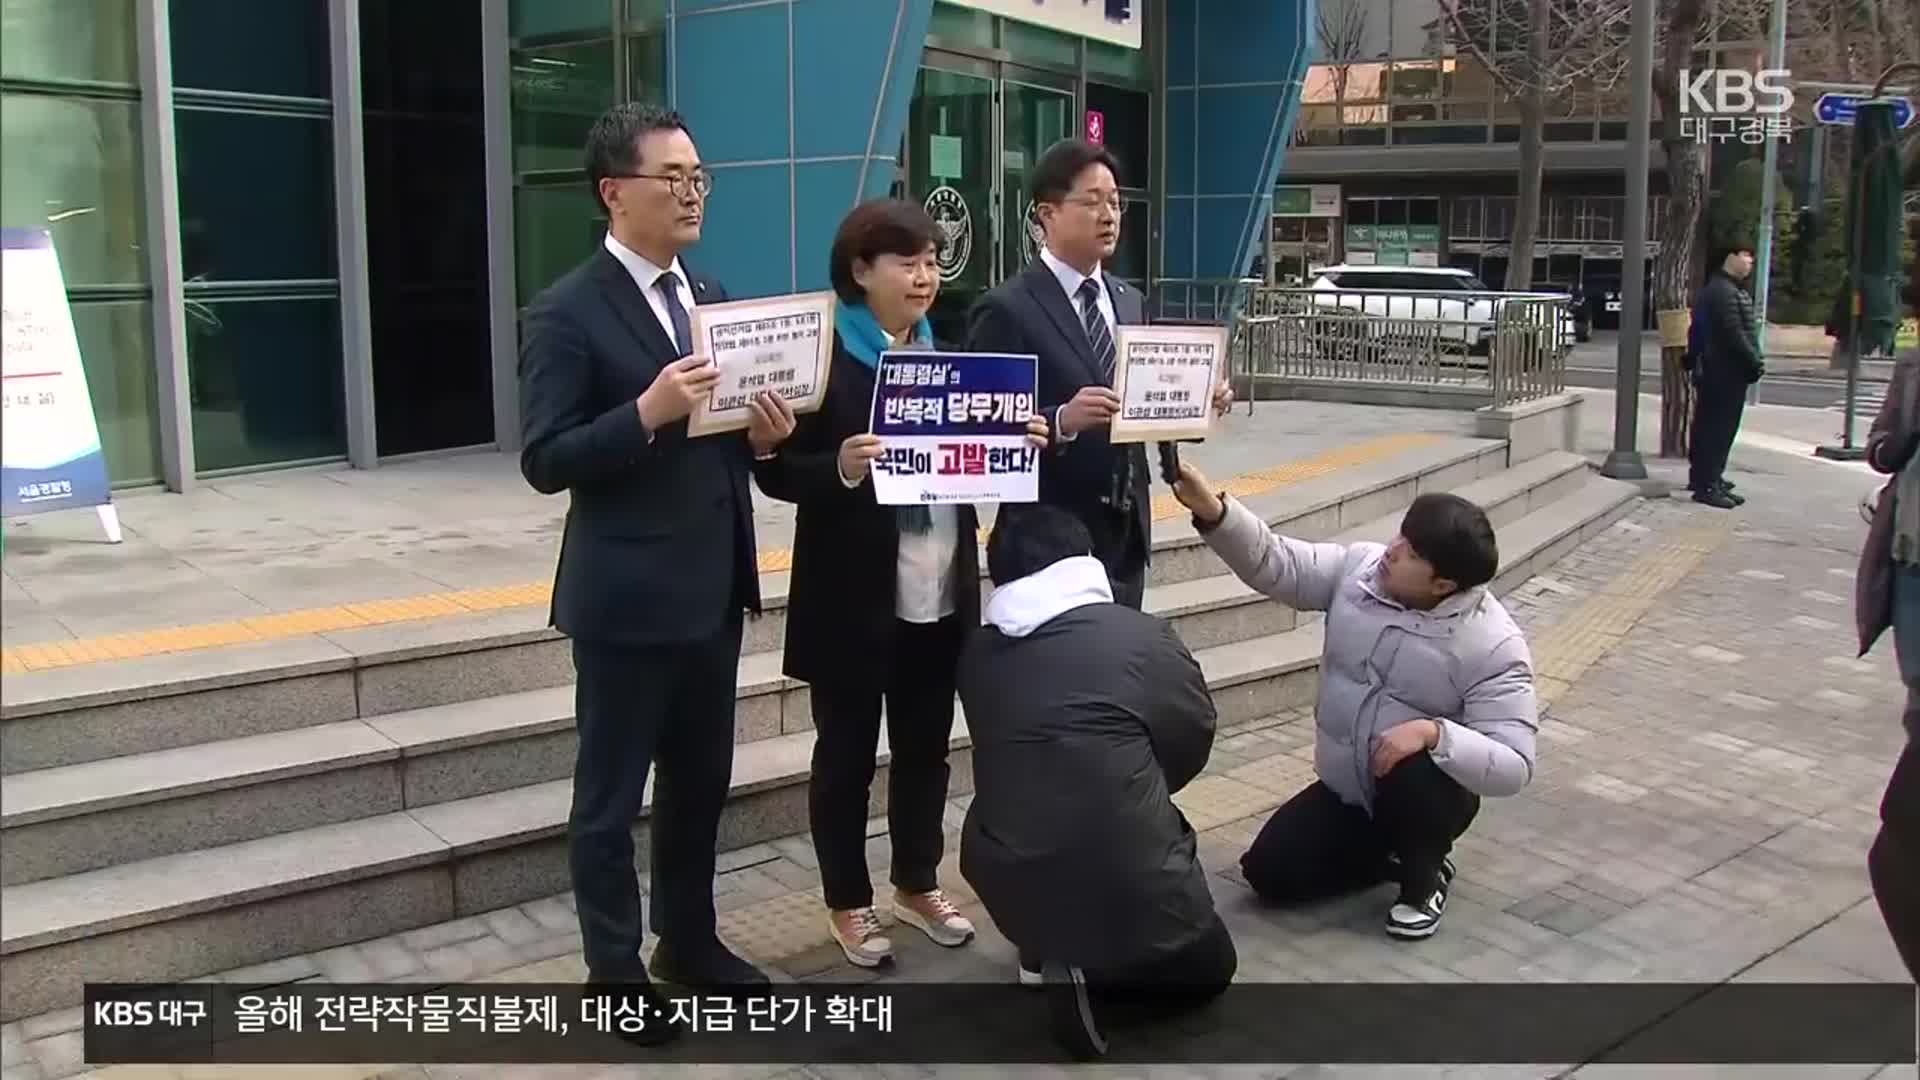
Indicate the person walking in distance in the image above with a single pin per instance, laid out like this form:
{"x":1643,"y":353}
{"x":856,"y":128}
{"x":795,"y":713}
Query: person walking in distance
{"x":1065,"y":308}
{"x":657,"y":562}
{"x":1729,"y":363}
{"x":1426,"y":701}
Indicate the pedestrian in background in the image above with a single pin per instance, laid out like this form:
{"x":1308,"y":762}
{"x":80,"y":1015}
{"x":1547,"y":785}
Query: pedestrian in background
{"x":1731,"y":362}
{"x":1888,"y":594}
{"x":881,"y":598}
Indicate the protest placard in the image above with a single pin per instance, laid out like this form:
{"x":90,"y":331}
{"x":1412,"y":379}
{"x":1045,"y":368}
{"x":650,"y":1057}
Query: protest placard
{"x":51,"y":458}
{"x":1165,"y":377}
{"x":782,"y":344}
{"x":953,"y":428}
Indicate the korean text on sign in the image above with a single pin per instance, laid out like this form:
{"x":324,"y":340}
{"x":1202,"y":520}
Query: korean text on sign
{"x":766,"y":354}
{"x":1168,"y":380}
{"x":953,"y":428}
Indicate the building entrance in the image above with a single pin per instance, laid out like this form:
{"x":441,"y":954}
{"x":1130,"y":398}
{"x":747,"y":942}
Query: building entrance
{"x":975,"y":128}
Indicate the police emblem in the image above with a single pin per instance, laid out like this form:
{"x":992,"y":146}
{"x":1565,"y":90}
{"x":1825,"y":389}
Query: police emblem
{"x":949,"y":211}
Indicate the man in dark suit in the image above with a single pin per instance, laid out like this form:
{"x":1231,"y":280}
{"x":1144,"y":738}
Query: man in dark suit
{"x":1064,"y":309}
{"x":657,"y":563}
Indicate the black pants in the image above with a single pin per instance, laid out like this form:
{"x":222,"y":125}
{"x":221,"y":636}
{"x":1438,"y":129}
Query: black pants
{"x":1170,"y":985}
{"x":1716,"y":420}
{"x":846,"y":718}
{"x":635,"y":707}
{"x":1316,"y":846}
{"x":1893,"y":862}
{"x":1120,"y":547}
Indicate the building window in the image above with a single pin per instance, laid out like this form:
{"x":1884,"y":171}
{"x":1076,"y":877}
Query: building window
{"x":69,"y":122}
{"x":567,"y":60}
{"x":253,"y":128}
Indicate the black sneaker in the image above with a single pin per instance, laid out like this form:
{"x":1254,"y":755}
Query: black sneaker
{"x":708,"y":967}
{"x":1413,"y":919}
{"x":1716,"y":498}
{"x":1071,"y":1012}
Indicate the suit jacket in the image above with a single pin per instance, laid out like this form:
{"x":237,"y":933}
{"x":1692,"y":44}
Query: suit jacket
{"x":840,"y":605}
{"x":659,"y":546}
{"x":1031,"y":313}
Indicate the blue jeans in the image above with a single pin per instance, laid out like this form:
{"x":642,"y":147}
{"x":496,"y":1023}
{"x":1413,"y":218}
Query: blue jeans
{"x":1906,"y":621}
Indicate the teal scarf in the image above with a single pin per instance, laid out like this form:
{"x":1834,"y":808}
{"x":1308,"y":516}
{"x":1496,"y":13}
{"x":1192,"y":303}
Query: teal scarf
{"x":861,"y":336}
{"x":864,"y":340}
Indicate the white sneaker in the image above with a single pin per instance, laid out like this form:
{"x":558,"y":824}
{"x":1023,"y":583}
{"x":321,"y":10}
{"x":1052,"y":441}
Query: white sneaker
{"x":934,"y":915}
{"x":1419,"y":920}
{"x":858,"y":934}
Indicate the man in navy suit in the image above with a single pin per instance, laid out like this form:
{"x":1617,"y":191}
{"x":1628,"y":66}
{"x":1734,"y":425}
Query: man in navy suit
{"x":657,"y":564}
{"x":1064,"y":309}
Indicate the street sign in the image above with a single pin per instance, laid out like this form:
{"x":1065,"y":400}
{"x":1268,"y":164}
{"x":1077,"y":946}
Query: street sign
{"x":1838,"y":109}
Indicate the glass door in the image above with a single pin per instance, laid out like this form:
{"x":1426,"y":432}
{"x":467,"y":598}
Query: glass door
{"x":950,"y":155}
{"x":1036,"y":112}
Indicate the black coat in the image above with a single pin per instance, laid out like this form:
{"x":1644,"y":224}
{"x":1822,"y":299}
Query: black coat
{"x":1733,"y":350}
{"x":1031,"y":313}
{"x":1082,"y":731}
{"x":659,"y":546}
{"x":840,"y":603}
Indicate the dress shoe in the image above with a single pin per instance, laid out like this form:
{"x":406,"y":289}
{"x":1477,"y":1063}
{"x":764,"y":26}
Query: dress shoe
{"x":707,"y":966}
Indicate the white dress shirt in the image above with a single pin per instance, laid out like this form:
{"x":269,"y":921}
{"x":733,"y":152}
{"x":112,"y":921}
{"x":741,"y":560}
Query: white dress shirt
{"x":923,"y":571}
{"x":645,"y":275}
{"x":1071,"y":280}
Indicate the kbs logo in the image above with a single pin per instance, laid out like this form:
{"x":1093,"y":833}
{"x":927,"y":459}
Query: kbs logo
{"x":1733,"y":91}
{"x":1722,"y":104}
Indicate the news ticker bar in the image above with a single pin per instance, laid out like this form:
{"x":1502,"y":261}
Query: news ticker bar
{"x":967,"y":1023}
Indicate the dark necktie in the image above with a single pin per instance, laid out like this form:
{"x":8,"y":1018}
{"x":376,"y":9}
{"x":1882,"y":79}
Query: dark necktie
{"x":1098,"y":335}
{"x":682,"y":328}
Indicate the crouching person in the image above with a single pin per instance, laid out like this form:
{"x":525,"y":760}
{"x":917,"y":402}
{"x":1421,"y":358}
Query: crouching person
{"x":1086,"y":717}
{"x":1426,"y":700}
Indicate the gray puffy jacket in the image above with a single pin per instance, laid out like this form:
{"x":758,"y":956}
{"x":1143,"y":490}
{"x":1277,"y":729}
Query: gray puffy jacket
{"x":1464,"y":663}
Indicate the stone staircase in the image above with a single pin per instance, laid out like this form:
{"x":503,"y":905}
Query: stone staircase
{"x":286,"y":800}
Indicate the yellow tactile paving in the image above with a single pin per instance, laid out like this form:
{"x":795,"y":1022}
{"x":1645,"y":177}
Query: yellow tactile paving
{"x":1590,"y":631}
{"x":46,"y":655}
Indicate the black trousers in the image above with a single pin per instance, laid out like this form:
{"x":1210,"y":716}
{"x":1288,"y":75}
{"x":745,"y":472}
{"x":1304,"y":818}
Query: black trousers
{"x":1893,"y":863}
{"x":918,"y":693}
{"x":1177,"y":983}
{"x":1316,"y":846}
{"x":668,"y":705}
{"x":1120,"y":547}
{"x":1716,"y":420}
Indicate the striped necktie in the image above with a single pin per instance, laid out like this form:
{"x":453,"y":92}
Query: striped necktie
{"x":1098,"y":333}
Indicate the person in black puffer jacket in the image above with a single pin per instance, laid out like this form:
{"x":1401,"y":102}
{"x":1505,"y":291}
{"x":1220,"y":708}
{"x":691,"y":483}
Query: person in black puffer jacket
{"x":1731,"y":363}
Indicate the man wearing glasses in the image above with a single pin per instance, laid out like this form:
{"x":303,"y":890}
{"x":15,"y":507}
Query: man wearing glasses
{"x":1064,"y":309}
{"x":657,"y":563}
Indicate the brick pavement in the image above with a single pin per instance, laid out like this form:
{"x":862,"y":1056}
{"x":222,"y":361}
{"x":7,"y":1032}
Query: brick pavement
{"x":1711,"y":765}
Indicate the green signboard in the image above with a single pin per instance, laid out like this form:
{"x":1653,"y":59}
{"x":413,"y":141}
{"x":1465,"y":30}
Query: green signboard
{"x":1394,"y":245}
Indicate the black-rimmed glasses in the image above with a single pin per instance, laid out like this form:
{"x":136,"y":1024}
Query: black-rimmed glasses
{"x":697,"y":183}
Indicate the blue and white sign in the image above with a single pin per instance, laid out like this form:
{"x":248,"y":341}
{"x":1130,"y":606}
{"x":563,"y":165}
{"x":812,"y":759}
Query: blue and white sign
{"x":50,"y":455}
{"x":1840,"y":109}
{"x":953,"y":428}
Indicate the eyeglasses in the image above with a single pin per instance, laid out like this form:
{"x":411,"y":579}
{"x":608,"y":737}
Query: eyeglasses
{"x":697,"y":183}
{"x":1112,"y":205}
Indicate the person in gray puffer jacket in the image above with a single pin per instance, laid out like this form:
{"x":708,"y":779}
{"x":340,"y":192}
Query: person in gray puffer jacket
{"x":1426,"y":700}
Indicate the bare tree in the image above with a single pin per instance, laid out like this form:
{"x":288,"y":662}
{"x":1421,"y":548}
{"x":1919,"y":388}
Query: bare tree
{"x":1342,"y":28}
{"x":1673,"y":270}
{"x":1567,"y":49}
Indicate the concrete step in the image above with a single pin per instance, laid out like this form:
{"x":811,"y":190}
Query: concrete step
{"x":72,"y":819}
{"x":183,"y":915}
{"x":90,"y":712}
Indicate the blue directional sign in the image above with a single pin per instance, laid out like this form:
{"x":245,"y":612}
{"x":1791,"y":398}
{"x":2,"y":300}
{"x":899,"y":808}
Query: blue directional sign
{"x":1839,"y":109}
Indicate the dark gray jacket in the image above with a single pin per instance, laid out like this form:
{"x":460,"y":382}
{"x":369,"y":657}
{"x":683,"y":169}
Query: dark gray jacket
{"x":1086,"y":717}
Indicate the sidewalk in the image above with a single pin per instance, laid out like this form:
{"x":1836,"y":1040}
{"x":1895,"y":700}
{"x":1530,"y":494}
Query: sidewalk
{"x":1710,"y":767}
{"x":307,"y":553}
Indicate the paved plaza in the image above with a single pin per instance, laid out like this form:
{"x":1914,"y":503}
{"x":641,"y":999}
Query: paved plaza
{"x":1710,"y":769}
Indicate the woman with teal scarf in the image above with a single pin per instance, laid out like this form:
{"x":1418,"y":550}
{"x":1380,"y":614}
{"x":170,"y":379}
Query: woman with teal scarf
{"x":881,"y":600}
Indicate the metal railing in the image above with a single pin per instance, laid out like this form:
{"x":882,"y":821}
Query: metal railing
{"x":1205,"y":301}
{"x":1513,"y":346}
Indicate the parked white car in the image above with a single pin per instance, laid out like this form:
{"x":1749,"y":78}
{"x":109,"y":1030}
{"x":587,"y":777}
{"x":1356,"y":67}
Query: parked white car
{"x":1466,"y":323}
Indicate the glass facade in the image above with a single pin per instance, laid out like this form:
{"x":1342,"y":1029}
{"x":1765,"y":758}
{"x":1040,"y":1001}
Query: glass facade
{"x":571,"y":59}
{"x":69,"y":122}
{"x":258,"y":244}
{"x":287,"y":345}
